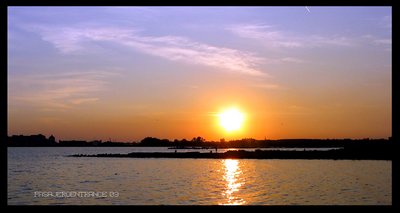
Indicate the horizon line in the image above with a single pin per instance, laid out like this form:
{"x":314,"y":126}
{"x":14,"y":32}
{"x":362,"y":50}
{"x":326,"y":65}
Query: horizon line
{"x":190,"y":139}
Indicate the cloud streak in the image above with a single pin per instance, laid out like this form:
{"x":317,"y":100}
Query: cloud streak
{"x":69,"y":40}
{"x":267,"y":86}
{"x":265,"y":34}
{"x":275,"y":38}
{"x":59,"y":91}
{"x":386,"y":43}
{"x":383,"y":41}
{"x":387,"y":22}
{"x":293,"y":60}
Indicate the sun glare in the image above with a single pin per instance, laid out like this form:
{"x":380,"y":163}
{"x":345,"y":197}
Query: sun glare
{"x":231,"y":119}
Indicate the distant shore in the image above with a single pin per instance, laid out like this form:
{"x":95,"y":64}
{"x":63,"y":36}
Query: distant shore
{"x":258,"y":154}
{"x":200,"y":143}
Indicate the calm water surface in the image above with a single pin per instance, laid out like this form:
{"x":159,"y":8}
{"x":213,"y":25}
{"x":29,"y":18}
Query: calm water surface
{"x":32,"y":172}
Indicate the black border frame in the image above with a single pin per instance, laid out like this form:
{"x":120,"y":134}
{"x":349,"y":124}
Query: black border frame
{"x":4,"y":94}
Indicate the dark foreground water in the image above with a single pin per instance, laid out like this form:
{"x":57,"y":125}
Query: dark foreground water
{"x":42,"y":176}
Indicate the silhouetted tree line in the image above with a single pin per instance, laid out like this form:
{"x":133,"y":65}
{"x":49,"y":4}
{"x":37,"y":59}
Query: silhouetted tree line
{"x":41,"y":140}
{"x":32,"y":140}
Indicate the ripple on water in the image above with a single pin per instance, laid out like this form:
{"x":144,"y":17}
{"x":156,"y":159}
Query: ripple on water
{"x":89,"y":181}
{"x":197,"y":181}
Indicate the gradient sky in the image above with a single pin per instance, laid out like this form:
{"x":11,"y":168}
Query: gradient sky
{"x":129,"y":72}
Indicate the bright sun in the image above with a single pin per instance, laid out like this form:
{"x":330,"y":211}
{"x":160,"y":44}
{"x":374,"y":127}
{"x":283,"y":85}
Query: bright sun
{"x":231,"y":119}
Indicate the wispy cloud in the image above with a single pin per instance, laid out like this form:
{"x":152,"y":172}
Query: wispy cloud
{"x":334,"y":40}
{"x":264,"y":33}
{"x":70,"y":40}
{"x":285,"y":60}
{"x":59,"y":91}
{"x":386,"y":22}
{"x":386,"y":43}
{"x":267,"y":86}
{"x":293,"y":60}
{"x":269,"y":36}
{"x":383,"y":41}
{"x":83,"y":100}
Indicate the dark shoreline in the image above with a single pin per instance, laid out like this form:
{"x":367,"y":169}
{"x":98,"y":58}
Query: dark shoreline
{"x":258,"y":154}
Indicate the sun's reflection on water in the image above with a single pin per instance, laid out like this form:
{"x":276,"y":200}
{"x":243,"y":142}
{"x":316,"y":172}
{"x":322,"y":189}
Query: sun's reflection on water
{"x":232,"y":172}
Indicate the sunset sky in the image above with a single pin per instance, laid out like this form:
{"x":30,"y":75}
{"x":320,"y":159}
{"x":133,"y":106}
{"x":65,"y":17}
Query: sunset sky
{"x":129,"y":72}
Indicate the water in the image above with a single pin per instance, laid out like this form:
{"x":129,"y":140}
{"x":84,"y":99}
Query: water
{"x":42,"y":176}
